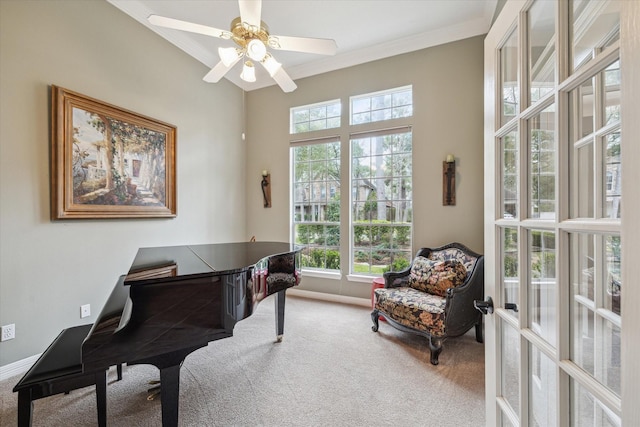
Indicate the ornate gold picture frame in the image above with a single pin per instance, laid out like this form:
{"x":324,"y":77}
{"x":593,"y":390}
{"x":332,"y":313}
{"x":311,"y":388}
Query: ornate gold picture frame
{"x":107,"y":162}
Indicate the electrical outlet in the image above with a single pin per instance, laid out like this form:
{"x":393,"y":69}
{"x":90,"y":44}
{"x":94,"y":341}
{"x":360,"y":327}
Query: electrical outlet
{"x":8,"y":332}
{"x":85,"y":310}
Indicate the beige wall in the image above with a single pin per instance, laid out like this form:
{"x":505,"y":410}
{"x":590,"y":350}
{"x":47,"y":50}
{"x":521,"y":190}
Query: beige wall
{"x":49,"y":269}
{"x":448,"y":101}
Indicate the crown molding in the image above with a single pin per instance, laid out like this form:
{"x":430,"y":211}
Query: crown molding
{"x":464,"y":30}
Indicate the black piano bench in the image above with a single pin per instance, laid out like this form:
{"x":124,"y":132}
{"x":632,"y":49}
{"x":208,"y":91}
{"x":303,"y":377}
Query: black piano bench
{"x":59,"y":370}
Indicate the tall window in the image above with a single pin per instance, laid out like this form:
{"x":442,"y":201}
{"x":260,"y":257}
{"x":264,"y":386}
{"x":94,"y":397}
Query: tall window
{"x":316,"y":203}
{"x":381,"y":194}
{"x":380,"y":183}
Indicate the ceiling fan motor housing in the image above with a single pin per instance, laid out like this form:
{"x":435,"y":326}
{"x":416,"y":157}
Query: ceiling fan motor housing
{"x":243,"y":33}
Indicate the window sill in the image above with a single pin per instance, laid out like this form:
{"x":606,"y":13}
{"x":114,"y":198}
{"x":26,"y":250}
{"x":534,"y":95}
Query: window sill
{"x":322,"y":274}
{"x":360,"y":278}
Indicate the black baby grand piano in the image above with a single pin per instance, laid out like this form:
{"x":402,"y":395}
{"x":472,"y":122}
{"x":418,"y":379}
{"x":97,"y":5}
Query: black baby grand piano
{"x":175,"y":300}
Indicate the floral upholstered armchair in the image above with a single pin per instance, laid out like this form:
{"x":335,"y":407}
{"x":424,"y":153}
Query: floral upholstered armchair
{"x":434,"y":296}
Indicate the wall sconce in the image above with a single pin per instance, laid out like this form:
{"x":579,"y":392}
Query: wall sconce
{"x":266,"y":188}
{"x":449,"y":181}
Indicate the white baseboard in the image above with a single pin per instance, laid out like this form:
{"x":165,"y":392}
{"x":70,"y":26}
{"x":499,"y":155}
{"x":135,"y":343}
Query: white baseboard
{"x":22,"y":366}
{"x":329,"y":297}
{"x":18,"y":367}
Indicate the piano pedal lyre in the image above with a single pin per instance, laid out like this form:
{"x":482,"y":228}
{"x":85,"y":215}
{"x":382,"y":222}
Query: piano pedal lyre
{"x":153,"y":391}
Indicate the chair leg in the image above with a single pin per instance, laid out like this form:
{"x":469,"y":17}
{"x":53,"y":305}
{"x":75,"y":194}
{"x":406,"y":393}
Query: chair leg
{"x":435,"y":346}
{"x":119,"y":370}
{"x":479,"y":335}
{"x":374,"y":317}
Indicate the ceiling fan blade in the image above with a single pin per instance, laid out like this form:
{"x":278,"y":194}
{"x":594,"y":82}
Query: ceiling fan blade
{"x":275,"y":70}
{"x":176,"y":24}
{"x":304,"y":44}
{"x":284,"y":81}
{"x":219,"y":71}
{"x":250,"y":12}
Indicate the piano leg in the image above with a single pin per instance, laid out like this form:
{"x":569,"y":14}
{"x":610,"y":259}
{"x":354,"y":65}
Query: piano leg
{"x":25,"y":408}
{"x":101,"y":397}
{"x":169,"y":365}
{"x":280,"y":299}
{"x":170,"y":392}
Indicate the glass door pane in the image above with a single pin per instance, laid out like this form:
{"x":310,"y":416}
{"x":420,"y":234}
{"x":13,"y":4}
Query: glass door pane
{"x":582,"y":203}
{"x":509,"y":79}
{"x":510,"y":169}
{"x":542,"y":284}
{"x":595,"y":25}
{"x":595,"y":309}
{"x":542,"y":389}
{"x":587,"y":410}
{"x":542,"y":169}
{"x":510,"y":379}
{"x":611,"y":86}
{"x":505,"y":422}
{"x":611,"y":293}
{"x":611,"y":176}
{"x":510,"y":275}
{"x":582,"y":110}
{"x":542,"y":51}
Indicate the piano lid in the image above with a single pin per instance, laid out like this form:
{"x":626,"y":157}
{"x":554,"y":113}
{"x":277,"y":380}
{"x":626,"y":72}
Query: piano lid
{"x":194,"y":260}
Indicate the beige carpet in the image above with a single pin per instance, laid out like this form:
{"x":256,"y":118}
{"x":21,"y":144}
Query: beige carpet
{"x":330,"y":370}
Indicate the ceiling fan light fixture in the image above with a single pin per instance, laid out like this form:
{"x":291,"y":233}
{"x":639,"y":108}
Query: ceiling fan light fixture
{"x":228,"y":55}
{"x":271,"y":65}
{"x":248,"y":72}
{"x":256,"y":50}
{"x":253,"y":41}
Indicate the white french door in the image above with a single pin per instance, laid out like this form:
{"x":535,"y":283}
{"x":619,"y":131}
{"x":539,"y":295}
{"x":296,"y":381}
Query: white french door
{"x":561,"y":163}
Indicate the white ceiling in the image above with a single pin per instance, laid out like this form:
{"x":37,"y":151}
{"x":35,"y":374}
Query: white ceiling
{"x":365,"y":30}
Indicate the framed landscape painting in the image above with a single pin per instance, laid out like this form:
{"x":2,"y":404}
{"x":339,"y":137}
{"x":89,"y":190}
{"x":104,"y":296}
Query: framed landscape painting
{"x":107,"y":162}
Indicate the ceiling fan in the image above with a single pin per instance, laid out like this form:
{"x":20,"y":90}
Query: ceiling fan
{"x":253,"y":40}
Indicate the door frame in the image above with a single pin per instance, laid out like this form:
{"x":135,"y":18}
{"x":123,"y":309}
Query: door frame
{"x":500,"y":29}
{"x":630,"y":57}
